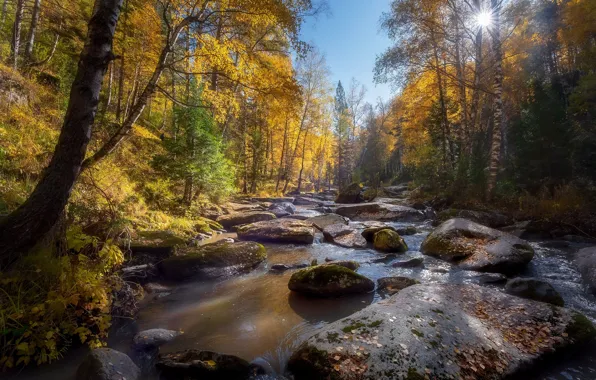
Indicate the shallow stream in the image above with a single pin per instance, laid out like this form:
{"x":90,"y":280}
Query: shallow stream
{"x":255,"y":316}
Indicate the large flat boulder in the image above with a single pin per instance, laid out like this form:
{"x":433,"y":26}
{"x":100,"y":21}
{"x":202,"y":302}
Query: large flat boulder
{"x":213,"y":260}
{"x":585,"y":262}
{"x":323,"y":221}
{"x":473,"y":246}
{"x":238,"y":218}
{"x":380,"y":212}
{"x":278,"y":231}
{"x":440,"y":331}
{"x":329,"y":280}
{"x":344,"y":236}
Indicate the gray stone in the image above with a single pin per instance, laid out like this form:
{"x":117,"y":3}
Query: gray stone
{"x":282,"y":209}
{"x":534,"y":289}
{"x":323,"y":221}
{"x":487,"y":218}
{"x":387,"y":240}
{"x":380,"y":212}
{"x":585,"y":262}
{"x":435,"y":331}
{"x":278,"y":231}
{"x":239,"y":218}
{"x":153,"y":338}
{"x":473,"y":246}
{"x":344,"y":236}
{"x":108,"y":364}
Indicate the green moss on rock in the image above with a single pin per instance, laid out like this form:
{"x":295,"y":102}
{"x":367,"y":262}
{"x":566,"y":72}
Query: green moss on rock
{"x":329,"y":281}
{"x":387,"y":240}
{"x":580,"y":329}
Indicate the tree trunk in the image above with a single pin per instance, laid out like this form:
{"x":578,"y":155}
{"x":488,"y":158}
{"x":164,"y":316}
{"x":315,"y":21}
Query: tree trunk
{"x":23,"y":228}
{"x":291,"y":161}
{"x":3,"y":16}
{"x":475,"y":109}
{"x":283,"y":153}
{"x":16,"y":33}
{"x":495,"y":148}
{"x":32,"y":30}
{"x":120,"y":99}
{"x":302,"y":165}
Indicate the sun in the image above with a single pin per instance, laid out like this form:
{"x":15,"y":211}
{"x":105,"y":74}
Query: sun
{"x":484,"y":19}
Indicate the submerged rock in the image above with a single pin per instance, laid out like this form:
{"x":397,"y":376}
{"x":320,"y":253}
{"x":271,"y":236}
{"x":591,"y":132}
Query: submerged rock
{"x":411,"y":263}
{"x":440,"y":331}
{"x":534,"y":289}
{"x":203,"y":365}
{"x":387,"y":240}
{"x":145,"y":346}
{"x":238,"y":218}
{"x":278,"y":231}
{"x":473,"y":246}
{"x":344,"y":236}
{"x":380,"y":212}
{"x":585,"y":262}
{"x":323,"y":221}
{"x":329,"y":280}
{"x":393,"y":285}
{"x":351,"y":194}
{"x":213,"y":260}
{"x":108,"y":364}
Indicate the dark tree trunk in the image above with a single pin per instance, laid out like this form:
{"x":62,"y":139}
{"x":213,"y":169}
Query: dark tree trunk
{"x":32,"y":30}
{"x":23,"y":228}
{"x":283,"y":153}
{"x":16,"y":33}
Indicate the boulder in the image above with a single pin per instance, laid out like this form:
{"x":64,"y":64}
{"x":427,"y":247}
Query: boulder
{"x":274,"y":199}
{"x":108,"y":364}
{"x":393,"y":285}
{"x":411,"y":263}
{"x":487,"y":218}
{"x":440,"y":331}
{"x":369,"y":194}
{"x":278,"y":231}
{"x":304,"y":201}
{"x":585,"y":262}
{"x":351,"y":194}
{"x":490,"y":278}
{"x":204,"y":365}
{"x":145,"y":346}
{"x":387,"y":240}
{"x":380,"y":212}
{"x":213,"y":260}
{"x":353,"y":265}
{"x":323,"y":221}
{"x":150,"y":247}
{"x":407,"y":230}
{"x":344,"y":236}
{"x":238,"y":218}
{"x":329,"y":281}
{"x":282,"y":209}
{"x":396,"y":191}
{"x":473,"y":246}
{"x":153,"y":338}
{"x":372,"y":228}
{"x":534,"y":289}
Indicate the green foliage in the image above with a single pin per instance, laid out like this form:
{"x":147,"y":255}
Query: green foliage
{"x":50,"y":298}
{"x":194,"y":152}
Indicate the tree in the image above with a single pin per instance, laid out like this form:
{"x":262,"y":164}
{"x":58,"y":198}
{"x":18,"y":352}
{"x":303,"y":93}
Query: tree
{"x":16,"y":33}
{"x":24,"y":227}
{"x":342,"y":130}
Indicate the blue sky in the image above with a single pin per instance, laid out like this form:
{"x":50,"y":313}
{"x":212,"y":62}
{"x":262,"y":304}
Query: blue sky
{"x":351,"y":39}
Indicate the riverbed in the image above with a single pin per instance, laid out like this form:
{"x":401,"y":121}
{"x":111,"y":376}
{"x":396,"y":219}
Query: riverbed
{"x":256,"y":317}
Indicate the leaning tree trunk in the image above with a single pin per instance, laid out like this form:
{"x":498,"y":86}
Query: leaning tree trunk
{"x":32,"y":31}
{"x":495,"y":148}
{"x":16,"y":33}
{"x":24,"y":227}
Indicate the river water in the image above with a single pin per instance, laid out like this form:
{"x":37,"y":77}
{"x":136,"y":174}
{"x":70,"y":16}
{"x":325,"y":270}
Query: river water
{"x":255,"y":316}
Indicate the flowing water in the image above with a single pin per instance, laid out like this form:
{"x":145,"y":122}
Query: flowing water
{"x":255,"y":316}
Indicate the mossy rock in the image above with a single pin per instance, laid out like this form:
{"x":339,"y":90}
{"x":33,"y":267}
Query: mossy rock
{"x":350,"y":194}
{"x":204,"y":261}
{"x":239,"y":218}
{"x":387,"y":240}
{"x":329,"y":281}
{"x":205,"y":365}
{"x":311,"y":363}
{"x":278,"y":231}
{"x":369,"y":194}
